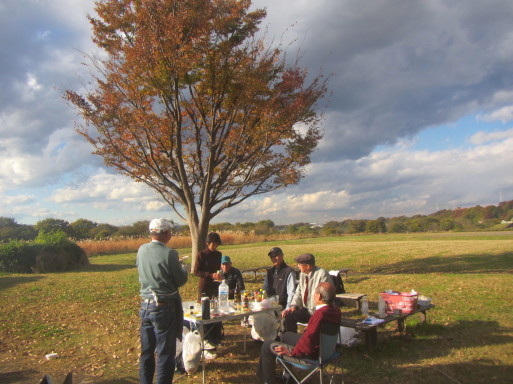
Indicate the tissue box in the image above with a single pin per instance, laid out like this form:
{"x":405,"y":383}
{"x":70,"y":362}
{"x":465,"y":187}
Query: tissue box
{"x":404,"y":301}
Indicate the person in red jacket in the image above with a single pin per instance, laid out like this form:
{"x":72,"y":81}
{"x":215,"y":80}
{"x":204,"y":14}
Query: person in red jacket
{"x":305,"y":345}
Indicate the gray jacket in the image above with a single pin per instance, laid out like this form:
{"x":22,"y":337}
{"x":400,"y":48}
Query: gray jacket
{"x":318,"y":275}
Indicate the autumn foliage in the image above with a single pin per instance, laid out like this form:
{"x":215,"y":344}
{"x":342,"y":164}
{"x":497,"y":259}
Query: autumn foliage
{"x":191,"y":102}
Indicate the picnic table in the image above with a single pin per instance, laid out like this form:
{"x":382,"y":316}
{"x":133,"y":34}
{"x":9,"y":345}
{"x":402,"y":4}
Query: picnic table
{"x":355,"y":297}
{"x":235,"y":315}
{"x":371,"y":330}
{"x":343,"y":271}
{"x":255,"y":270}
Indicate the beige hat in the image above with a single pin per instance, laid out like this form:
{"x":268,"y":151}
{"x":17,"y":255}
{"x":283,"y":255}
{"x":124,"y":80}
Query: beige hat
{"x":160,"y":225}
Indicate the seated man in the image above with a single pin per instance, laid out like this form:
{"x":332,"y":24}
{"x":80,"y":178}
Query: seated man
{"x":303,"y":304}
{"x":301,"y":346}
{"x":232,"y":276}
{"x":280,"y":279}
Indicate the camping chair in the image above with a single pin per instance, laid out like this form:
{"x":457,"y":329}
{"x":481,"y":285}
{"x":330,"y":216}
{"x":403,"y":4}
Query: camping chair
{"x":48,"y":379}
{"x":328,"y":354}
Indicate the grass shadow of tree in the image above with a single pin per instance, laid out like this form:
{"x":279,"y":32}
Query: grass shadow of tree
{"x":405,"y":354}
{"x":8,"y":281}
{"x":105,"y":268}
{"x":468,"y":263}
{"x":12,"y":375}
{"x":439,"y":340}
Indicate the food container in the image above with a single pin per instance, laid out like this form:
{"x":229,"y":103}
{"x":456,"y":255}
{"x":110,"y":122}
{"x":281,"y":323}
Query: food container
{"x":404,"y":301}
{"x":423,"y":301}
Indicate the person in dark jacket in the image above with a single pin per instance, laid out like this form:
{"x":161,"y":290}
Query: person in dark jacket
{"x":232,"y":276}
{"x":305,"y":345}
{"x":280,"y":279}
{"x":207,"y":267}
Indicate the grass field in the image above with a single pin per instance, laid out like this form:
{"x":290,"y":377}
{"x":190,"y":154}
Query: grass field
{"x":90,"y":317}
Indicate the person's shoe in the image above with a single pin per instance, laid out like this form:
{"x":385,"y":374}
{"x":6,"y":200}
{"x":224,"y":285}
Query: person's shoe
{"x":209,"y":355}
{"x":208,"y":347}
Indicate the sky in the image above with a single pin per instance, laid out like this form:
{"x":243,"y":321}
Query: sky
{"x":419,"y":115}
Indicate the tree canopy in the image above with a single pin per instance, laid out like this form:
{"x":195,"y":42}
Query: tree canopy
{"x":189,"y":101}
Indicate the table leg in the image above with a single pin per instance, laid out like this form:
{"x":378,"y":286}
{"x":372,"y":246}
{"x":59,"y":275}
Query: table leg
{"x":202,"y":333}
{"x":245,"y":331}
{"x":359,"y":304}
{"x":371,"y":338}
{"x":400,"y":325}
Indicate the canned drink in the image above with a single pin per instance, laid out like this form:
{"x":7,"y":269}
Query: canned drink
{"x":51,"y":356}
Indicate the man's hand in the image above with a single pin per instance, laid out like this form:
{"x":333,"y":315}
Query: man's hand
{"x":216,"y":276}
{"x":281,"y":350}
{"x":285,"y":311}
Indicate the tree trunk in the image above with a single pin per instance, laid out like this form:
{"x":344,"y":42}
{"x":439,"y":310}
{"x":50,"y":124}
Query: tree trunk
{"x":199,"y":233}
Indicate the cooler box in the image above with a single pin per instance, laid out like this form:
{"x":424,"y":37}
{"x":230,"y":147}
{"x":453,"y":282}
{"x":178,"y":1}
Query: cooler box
{"x":404,"y":301}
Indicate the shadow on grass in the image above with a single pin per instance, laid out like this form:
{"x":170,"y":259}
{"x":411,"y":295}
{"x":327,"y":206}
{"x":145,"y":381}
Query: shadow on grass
{"x":473,"y":263}
{"x":105,"y":268}
{"x":411,"y":357}
{"x":125,"y":380}
{"x":440,"y":340}
{"x":16,"y":375}
{"x":7,"y":281}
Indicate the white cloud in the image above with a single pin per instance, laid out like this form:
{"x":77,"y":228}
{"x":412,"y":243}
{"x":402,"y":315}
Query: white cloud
{"x":397,"y":181}
{"x":104,"y":191}
{"x":504,"y":114}
{"x":485,"y":137}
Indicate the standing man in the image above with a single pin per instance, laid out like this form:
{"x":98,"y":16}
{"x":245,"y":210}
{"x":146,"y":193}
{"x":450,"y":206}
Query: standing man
{"x":300,"y":346}
{"x":280,"y":279}
{"x":303,"y":302}
{"x":160,"y":275}
{"x":232,"y":276}
{"x":207,"y":268}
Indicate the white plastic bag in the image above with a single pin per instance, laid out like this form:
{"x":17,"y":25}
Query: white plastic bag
{"x":179,"y":344}
{"x":348,"y":336}
{"x":265,"y":326}
{"x":191,"y":351}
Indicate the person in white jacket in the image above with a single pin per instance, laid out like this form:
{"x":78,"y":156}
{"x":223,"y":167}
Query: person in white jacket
{"x":303,"y":303}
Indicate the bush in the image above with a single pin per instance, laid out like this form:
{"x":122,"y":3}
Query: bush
{"x":50,"y":252}
{"x":18,"y":256}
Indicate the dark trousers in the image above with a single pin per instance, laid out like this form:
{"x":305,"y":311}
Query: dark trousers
{"x":158,"y":334}
{"x":266,"y":370}
{"x":290,"y":321}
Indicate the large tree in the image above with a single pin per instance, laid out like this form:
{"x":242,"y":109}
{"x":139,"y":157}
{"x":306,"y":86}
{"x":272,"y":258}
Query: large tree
{"x":190,"y":101}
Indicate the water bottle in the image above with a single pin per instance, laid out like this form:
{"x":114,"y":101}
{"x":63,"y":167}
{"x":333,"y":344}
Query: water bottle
{"x":365,"y":306}
{"x":223,"y":296}
{"x":381,"y":307}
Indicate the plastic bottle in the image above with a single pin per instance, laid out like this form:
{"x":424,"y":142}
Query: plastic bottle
{"x":223,"y":296}
{"x":365,"y":306}
{"x":381,"y":306}
{"x":237,"y":298}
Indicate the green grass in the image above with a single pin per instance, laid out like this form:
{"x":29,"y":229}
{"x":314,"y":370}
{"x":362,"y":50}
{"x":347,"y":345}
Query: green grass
{"x":90,"y":317}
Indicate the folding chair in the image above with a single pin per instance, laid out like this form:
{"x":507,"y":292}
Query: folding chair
{"x":328,"y":354}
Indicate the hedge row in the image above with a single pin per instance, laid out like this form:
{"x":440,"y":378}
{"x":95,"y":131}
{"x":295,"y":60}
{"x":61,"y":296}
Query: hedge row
{"x":51,"y":252}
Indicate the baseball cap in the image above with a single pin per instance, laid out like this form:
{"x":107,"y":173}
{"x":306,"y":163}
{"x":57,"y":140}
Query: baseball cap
{"x":225,"y":259}
{"x":160,"y":225}
{"x":275,"y":251}
{"x":305,"y":258}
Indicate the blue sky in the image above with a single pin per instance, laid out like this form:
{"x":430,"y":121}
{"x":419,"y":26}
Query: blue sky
{"x":419,"y":118}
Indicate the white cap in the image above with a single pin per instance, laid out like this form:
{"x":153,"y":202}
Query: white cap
{"x":160,"y":225}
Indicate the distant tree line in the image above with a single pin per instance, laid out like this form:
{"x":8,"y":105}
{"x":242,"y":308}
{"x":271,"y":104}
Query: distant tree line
{"x":461,"y":219}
